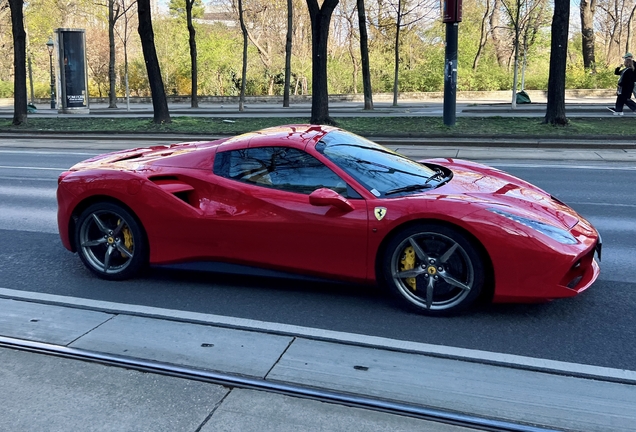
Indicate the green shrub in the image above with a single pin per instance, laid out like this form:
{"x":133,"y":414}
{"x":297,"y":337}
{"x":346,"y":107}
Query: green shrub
{"x":6,"y":89}
{"x":578,"y":78}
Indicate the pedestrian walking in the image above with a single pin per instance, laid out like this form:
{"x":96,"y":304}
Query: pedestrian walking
{"x":625,"y":86}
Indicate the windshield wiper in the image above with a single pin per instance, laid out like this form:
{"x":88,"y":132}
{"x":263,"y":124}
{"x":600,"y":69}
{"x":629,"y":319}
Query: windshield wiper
{"x":408,"y":188}
{"x":438,"y":174}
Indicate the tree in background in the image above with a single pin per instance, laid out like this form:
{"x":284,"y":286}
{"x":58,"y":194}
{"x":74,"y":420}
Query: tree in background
{"x":483,"y":34}
{"x":525,"y":18}
{"x":612,"y":19}
{"x":193,"y":9}
{"x":115,"y":11}
{"x":629,"y":29}
{"x":396,"y":19}
{"x":348,"y":15}
{"x":288,"y":52}
{"x":123,"y":32}
{"x":19,"y":62}
{"x":555,"y":111}
{"x":219,"y":48}
{"x":244,"y":68}
{"x":266,"y":26}
{"x":159,"y":100}
{"x":502,"y":49}
{"x":97,"y":58}
{"x":587,"y":9}
{"x":354,"y":14}
{"x":364,"y":56}
{"x":320,"y":21}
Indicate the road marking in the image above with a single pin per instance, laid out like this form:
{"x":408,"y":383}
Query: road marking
{"x":590,"y":167}
{"x":33,"y":168}
{"x":53,"y":152}
{"x":30,"y":179}
{"x":571,"y":203}
{"x":500,"y":359}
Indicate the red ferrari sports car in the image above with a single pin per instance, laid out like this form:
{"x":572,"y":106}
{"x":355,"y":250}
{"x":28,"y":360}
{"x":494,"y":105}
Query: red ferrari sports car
{"x":324,"y":202}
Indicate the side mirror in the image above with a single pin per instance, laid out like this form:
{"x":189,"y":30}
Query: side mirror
{"x":327,"y":197}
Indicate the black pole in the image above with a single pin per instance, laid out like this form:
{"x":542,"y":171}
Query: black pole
{"x":450,"y":74}
{"x":52,"y":82}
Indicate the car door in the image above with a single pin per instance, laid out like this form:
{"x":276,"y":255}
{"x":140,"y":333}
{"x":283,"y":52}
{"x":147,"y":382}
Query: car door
{"x":261,"y":214}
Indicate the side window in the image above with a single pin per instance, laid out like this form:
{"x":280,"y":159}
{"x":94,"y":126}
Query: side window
{"x":280,"y":168}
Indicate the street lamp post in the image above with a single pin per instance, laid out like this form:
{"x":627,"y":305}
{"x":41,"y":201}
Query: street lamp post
{"x":50,"y":45}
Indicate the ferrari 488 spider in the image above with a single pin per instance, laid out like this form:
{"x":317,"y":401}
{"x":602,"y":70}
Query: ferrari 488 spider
{"x":323,"y":202}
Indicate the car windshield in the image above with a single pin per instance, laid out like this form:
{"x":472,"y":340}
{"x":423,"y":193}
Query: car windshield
{"x":382,"y":171}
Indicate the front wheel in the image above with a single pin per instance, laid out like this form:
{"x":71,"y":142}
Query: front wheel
{"x":110,"y":241}
{"x":433,"y":269}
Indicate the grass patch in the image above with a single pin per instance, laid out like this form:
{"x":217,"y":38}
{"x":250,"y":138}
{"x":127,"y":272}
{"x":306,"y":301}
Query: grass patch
{"x":368,"y":126}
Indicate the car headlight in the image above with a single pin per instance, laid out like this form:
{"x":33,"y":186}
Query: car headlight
{"x":555,"y":233}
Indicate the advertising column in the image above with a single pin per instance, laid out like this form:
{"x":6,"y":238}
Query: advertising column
{"x":73,"y":73}
{"x":451,"y":15}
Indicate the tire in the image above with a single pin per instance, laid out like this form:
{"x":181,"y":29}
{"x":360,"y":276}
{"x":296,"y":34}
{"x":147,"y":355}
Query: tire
{"x":110,"y":241}
{"x":433,"y":269}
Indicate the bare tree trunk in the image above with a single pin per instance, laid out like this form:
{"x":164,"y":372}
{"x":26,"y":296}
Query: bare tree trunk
{"x":614,"y":48}
{"x":500,"y":52}
{"x":482,"y":35}
{"x":555,"y":111}
{"x":515,"y":78}
{"x":147,"y":36}
{"x":364,"y":56}
{"x":320,"y":19}
{"x":397,"y":53}
{"x":587,"y":9}
{"x":356,"y":68}
{"x":244,"y":68}
{"x":19,"y":62}
{"x":629,"y":30}
{"x":194,"y":99}
{"x":126,"y":76}
{"x":112,"y":77}
{"x":288,"y":53}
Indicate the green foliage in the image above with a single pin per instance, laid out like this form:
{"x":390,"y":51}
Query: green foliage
{"x":578,"y":78}
{"x":177,"y":9}
{"x":220,"y":60}
{"x":137,"y":78}
{"x":486,"y":77}
{"x":219,"y":51}
{"x":6,"y":89}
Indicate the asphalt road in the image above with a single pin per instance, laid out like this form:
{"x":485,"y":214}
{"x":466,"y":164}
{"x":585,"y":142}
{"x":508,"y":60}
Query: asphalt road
{"x":596,"y":328}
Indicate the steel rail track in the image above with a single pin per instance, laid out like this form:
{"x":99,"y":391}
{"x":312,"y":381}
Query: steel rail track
{"x":228,"y":380}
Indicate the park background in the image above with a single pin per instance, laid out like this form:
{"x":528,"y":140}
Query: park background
{"x":486,"y":51}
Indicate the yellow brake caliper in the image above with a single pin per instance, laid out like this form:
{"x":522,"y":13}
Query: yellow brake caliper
{"x":408,"y":263}
{"x":128,"y":238}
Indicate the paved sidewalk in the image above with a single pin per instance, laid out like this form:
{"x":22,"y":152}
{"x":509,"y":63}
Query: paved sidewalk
{"x":535,"y":392}
{"x":53,"y":394}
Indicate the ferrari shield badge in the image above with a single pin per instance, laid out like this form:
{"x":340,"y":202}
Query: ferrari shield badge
{"x":379,"y":213}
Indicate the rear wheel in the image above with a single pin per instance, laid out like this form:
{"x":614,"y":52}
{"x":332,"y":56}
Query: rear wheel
{"x":433,"y":269}
{"x":110,"y":241}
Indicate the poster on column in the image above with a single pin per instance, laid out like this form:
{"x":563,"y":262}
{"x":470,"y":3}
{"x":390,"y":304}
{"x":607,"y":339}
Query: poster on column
{"x":451,"y":11}
{"x":73,"y":68}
